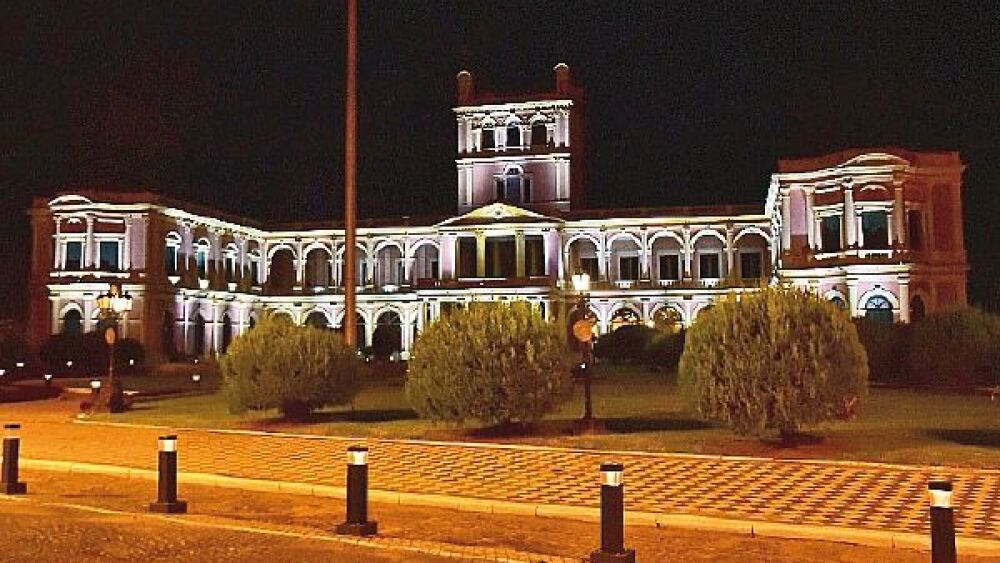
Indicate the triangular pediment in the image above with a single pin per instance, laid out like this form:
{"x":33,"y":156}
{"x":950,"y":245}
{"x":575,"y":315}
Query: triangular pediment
{"x":876,"y":159}
{"x":498,"y":213}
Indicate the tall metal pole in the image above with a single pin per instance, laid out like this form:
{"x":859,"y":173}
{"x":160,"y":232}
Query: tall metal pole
{"x":350,"y":177}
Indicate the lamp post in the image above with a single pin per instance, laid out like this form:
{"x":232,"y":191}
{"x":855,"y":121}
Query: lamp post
{"x":583,"y":328}
{"x":112,"y":307}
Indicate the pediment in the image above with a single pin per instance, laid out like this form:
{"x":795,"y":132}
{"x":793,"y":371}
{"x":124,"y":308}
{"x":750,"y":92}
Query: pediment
{"x":497,"y":213}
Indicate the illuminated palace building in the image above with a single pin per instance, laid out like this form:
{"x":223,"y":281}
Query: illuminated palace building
{"x":878,"y":232}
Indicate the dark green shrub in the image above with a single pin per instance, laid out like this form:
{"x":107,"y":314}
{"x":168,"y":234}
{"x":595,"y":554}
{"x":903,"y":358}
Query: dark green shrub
{"x":886,"y":347}
{"x":773,"y":361}
{"x":296,"y":369}
{"x":89,"y":352}
{"x":494,"y":362}
{"x":12,"y":345}
{"x":385,"y":341}
{"x":663,"y":352}
{"x":958,"y":348}
{"x":628,"y":343}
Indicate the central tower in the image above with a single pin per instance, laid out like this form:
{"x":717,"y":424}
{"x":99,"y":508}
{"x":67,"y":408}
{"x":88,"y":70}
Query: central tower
{"x":525,"y":151}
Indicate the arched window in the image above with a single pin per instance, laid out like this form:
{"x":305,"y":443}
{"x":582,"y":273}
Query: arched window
{"x":539,"y":134}
{"x":513,"y":134}
{"x":201,"y":258}
{"x":73,"y":322}
{"x":878,"y":309}
{"x":487,"y":140}
{"x":839,"y":302}
{"x":254,"y":260}
{"x":623,"y":317}
{"x":171,"y":254}
{"x":388,"y":336}
{"x":317,"y":319}
{"x":514,"y":186}
{"x":230,"y":256}
{"x":917,"y":309}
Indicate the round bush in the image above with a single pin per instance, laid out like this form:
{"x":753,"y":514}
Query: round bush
{"x":959,"y":348}
{"x":774,"y":360}
{"x":495,"y":362}
{"x":296,"y":369}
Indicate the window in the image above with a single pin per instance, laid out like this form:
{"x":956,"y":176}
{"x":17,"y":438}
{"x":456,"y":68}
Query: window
{"x":589,"y":266}
{"x":670,"y":267}
{"x":73,"y":322}
{"x":750,"y":265}
{"x":830,"y":233}
{"x":534,"y":255}
{"x":513,"y":135}
{"x":254,"y":267}
{"x":513,"y":187}
{"x":170,"y":260}
{"x":539,"y":134}
{"x":74,"y":255}
{"x":231,"y":265}
{"x":875,"y":227}
{"x":878,"y":309}
{"x":108,"y":255}
{"x":487,"y":141}
{"x":836,"y":300}
{"x":201,"y":260}
{"x":628,"y":268}
{"x":466,"y":257}
{"x":708,"y":266}
{"x":500,"y":257}
{"x":915,"y":229}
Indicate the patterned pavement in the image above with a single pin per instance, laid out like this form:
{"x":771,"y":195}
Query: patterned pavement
{"x":866,"y":496}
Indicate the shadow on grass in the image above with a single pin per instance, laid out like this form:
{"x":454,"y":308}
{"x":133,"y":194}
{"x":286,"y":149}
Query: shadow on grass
{"x":374,"y":415}
{"x":632,"y":424}
{"x":968,"y":437}
{"x":22,"y":393}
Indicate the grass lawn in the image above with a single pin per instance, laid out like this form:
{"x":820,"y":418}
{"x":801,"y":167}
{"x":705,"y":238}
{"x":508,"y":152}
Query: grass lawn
{"x":642,"y":411}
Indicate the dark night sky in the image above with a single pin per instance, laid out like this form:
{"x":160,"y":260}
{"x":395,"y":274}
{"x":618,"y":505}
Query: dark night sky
{"x":240,"y":105}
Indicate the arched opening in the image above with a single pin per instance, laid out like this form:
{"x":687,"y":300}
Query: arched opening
{"x":751,"y":262}
{"x":253,"y":262}
{"x":425,"y":263}
{"x":708,"y":263}
{"x":201,"y":254}
{"x":283,"y":317}
{"x":73,"y":322}
{"x":227,"y":332}
{"x":171,"y":254}
{"x":389,"y":266}
{"x":625,"y":260}
{"x":281,"y":278}
{"x":667,"y":320}
{"x":388,"y":336}
{"x":198,"y":335}
{"x":667,"y":260}
{"x":878,"y":309}
{"x":917,"y":309}
{"x":583,"y":258}
{"x":486,"y":136}
{"x":839,"y":302}
{"x":230,"y":258}
{"x":360,"y":331}
{"x":513,"y":134}
{"x":623,"y":317}
{"x":317,"y":319}
{"x":317,"y":269}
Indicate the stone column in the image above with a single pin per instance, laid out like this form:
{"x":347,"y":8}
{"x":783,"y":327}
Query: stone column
{"x":480,"y":254}
{"x":852,"y":297}
{"x":127,"y":245}
{"x":904,"y":298}
{"x":687,"y":274}
{"x":519,"y":253}
{"x":786,"y":223}
{"x":811,"y":232}
{"x":89,"y":259}
{"x":57,"y":250}
{"x":850,"y":220}
{"x":730,"y":253}
{"x":899,"y":215}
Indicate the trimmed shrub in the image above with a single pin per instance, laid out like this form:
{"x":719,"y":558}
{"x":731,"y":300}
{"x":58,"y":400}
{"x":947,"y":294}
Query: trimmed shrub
{"x":663,"y":352}
{"x":628,"y":343}
{"x":89,"y":352}
{"x":295,"y":369}
{"x":495,"y":362}
{"x":773,"y":361}
{"x":958,"y":348}
{"x":886,"y":346}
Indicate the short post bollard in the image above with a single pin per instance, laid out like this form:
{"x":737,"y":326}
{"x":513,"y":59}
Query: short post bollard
{"x":612,"y":518}
{"x":357,"y":523}
{"x":166,"y":487}
{"x":11,"y":450}
{"x":942,"y":522}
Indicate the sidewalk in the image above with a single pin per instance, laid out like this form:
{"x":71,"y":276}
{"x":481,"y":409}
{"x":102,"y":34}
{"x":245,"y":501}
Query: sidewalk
{"x":812,"y":493}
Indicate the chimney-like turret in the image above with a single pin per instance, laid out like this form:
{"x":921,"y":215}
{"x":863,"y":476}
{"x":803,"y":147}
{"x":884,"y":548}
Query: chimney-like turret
{"x":466,"y":88}
{"x":562,"y":78}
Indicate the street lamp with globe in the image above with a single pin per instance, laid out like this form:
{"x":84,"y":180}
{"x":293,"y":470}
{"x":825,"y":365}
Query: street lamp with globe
{"x":583,"y":334}
{"x":112,"y":307}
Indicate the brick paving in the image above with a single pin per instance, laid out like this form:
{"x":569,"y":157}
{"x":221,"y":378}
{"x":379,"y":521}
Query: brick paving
{"x":867,"y":496}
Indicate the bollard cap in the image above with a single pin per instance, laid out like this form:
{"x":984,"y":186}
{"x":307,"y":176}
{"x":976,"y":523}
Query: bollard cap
{"x":611,"y":474}
{"x":168,"y":443}
{"x":11,"y":430}
{"x":95,"y":384}
{"x":940,"y":492}
{"x":47,"y":376}
{"x":357,"y":455}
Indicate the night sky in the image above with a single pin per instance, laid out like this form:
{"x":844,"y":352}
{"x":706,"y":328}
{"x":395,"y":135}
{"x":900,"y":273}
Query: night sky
{"x":240,"y":105}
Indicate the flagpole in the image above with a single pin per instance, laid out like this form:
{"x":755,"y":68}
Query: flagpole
{"x":350,"y":179}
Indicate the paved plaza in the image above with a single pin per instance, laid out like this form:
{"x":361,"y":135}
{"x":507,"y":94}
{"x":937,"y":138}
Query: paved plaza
{"x":852,"y":495}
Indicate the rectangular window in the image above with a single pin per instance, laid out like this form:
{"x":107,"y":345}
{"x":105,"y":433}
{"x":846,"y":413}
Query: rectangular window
{"x":231,"y":269}
{"x":432,"y":269}
{"x":201,"y":260}
{"x":466,"y":257}
{"x":487,"y":139}
{"x":708,"y":266}
{"x":74,"y":255}
{"x":915,"y":229}
{"x":875,"y":226}
{"x":500,"y":257}
{"x":589,"y":266}
{"x":830,"y":233}
{"x":750,"y":265}
{"x":670,"y":267}
{"x":254,"y":273}
{"x":628,"y":268}
{"x":534,"y":255}
{"x":108,"y":255}
{"x":170,"y":260}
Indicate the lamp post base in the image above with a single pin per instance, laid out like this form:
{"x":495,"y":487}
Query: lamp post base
{"x":588,"y":426}
{"x":363,"y":529}
{"x":627,"y":556}
{"x":177,"y":507}
{"x":14,"y":488}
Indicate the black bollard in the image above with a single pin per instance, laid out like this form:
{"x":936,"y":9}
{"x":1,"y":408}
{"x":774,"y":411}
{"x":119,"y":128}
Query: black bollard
{"x":942,"y":522}
{"x":612,"y":518}
{"x":357,"y":523}
{"x":166,"y":487}
{"x":11,"y":450}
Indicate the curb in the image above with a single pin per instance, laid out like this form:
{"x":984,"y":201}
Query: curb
{"x":872,"y":538}
{"x":537,"y":448}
